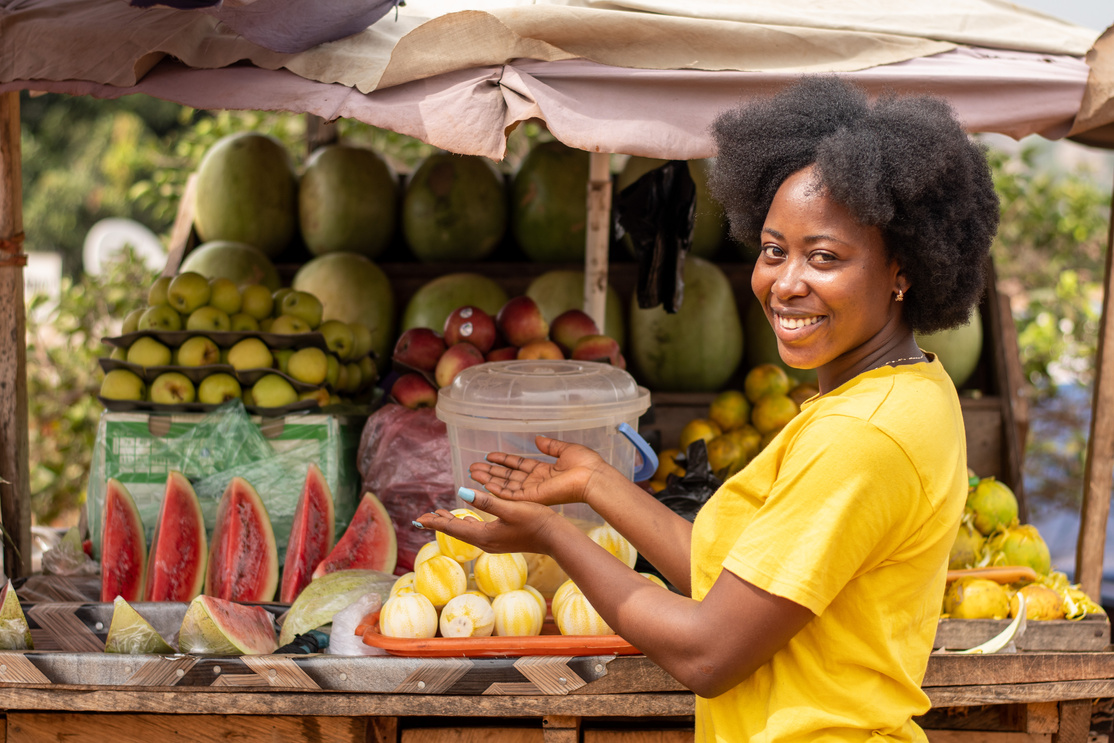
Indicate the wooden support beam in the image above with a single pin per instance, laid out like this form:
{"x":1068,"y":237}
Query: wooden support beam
{"x":15,"y":492}
{"x":1075,"y":721}
{"x":598,"y":237}
{"x":1099,"y":470}
{"x":561,"y":729}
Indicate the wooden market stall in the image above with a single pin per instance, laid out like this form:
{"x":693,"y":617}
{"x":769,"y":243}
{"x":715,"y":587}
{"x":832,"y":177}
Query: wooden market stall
{"x":1043,"y":693}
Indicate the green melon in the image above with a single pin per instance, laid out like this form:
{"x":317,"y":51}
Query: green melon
{"x":549,"y":203}
{"x":696,"y":349}
{"x":454,"y":208}
{"x":436,"y":299}
{"x":347,"y":201}
{"x":959,"y":348}
{"x":240,"y":262}
{"x":557,"y":291}
{"x":247,"y":192}
{"x":761,"y":345}
{"x":352,"y":289}
{"x":710,"y":226}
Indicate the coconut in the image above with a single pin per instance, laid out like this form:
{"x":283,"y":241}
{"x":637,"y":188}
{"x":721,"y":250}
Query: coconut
{"x":976,"y":598}
{"x":1020,"y":545}
{"x":967,"y":547}
{"x":1041,"y":602}
{"x":994,"y":504}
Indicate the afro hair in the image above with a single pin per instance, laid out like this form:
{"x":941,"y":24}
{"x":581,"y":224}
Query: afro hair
{"x":901,"y":163}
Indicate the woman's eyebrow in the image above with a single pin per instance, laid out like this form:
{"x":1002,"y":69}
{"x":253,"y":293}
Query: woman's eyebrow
{"x":808,"y":239}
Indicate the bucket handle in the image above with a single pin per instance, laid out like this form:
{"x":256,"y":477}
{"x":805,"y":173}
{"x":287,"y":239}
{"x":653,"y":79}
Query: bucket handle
{"x":649,"y":458}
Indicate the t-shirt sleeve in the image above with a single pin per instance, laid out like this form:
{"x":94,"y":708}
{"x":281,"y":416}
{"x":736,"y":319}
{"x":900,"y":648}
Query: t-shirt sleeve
{"x":843,"y":502}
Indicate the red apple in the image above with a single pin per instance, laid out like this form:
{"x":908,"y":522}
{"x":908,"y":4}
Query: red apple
{"x":520,"y":321}
{"x":414,"y":391}
{"x":419,"y":348}
{"x":569,"y":327}
{"x":506,"y":353}
{"x":470,"y":324}
{"x":459,"y":357}
{"x":601,"y":348}
{"x":540,"y":350}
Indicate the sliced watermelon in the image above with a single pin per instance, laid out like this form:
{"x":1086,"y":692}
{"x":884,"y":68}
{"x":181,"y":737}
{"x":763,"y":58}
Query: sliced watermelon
{"x":15,"y":633}
{"x":213,"y":626}
{"x":123,"y":546}
{"x":243,"y":557}
{"x":176,"y":561}
{"x":311,"y":535}
{"x":368,"y":543}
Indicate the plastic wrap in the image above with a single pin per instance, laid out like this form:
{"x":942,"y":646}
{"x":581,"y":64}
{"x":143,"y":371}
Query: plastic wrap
{"x":131,"y":634}
{"x":15,"y":634}
{"x":343,"y":639}
{"x":405,"y":459}
{"x":68,"y":557}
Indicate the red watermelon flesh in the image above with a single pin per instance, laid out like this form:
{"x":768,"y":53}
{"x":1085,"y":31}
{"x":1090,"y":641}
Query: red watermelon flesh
{"x":243,"y":557}
{"x":311,"y":535}
{"x":123,"y":546}
{"x":367,"y":544}
{"x":176,"y":561}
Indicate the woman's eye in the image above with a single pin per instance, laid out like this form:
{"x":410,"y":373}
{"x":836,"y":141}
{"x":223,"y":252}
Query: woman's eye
{"x":772,"y":251}
{"x":822,"y":256}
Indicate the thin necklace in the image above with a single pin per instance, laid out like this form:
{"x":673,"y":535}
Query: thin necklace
{"x":918,"y":357}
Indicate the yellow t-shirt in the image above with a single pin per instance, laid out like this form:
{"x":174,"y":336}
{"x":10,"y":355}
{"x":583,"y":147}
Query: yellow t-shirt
{"x":851,"y":512}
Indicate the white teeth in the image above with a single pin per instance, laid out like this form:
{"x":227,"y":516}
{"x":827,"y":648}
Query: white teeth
{"x":793,"y":323}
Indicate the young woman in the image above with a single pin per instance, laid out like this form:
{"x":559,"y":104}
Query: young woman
{"x":811,"y":583}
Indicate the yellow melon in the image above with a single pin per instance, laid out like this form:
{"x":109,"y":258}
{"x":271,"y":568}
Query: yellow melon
{"x":517,"y":614}
{"x":467,"y":615}
{"x":577,"y":616}
{"x":439,"y":579}
{"x":408,"y":615}
{"x":496,"y":574}
{"x":453,"y":547}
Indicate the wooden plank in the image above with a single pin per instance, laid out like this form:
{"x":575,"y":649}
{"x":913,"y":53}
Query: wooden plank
{"x":1075,"y":721}
{"x":1052,"y":635}
{"x":632,"y":673}
{"x":1052,"y":691}
{"x":49,"y":727}
{"x":1099,"y":471}
{"x":1042,"y":717}
{"x":382,"y":730}
{"x":1017,"y":668}
{"x":474,"y":735}
{"x":15,"y":490}
{"x":561,"y":729}
{"x":982,"y":736}
{"x":639,"y":736}
{"x":182,"y":235}
{"x":598,"y":236}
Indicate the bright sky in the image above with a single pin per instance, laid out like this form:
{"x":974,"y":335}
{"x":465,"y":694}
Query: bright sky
{"x":1096,"y":14}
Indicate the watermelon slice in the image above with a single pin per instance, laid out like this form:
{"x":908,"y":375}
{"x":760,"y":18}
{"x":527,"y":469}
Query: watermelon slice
{"x":123,"y":546}
{"x":311,"y":535}
{"x":243,"y":557}
{"x":131,"y":634}
{"x":176,"y":561}
{"x":15,"y":634}
{"x":368,"y":543}
{"x":213,"y":626}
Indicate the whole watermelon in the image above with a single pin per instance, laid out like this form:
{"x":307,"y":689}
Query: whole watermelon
{"x":245,"y":264}
{"x":710,"y":226}
{"x":247,"y":192}
{"x":560,"y":290}
{"x":959,"y":348}
{"x":454,"y":208}
{"x":698,"y":348}
{"x":352,"y":289}
{"x":347,"y":201}
{"x":549,"y":203}
{"x":436,"y":299}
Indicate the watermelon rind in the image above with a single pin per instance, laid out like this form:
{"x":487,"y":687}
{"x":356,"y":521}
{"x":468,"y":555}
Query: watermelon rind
{"x":369,"y":542}
{"x":213,"y":626}
{"x":131,"y":634}
{"x":325,"y":596}
{"x":123,"y":546}
{"x":15,"y":633}
{"x":243,"y":556}
{"x":312,"y":534}
{"x":178,"y":552}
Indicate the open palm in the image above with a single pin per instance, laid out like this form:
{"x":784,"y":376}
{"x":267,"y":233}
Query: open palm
{"x":566,"y":480}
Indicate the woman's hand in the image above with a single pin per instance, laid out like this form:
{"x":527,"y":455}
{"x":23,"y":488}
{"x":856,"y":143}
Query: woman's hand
{"x":519,"y":526}
{"x":568,"y":480}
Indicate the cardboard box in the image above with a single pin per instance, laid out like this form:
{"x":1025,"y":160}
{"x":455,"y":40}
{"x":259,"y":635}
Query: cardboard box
{"x":139,"y":449}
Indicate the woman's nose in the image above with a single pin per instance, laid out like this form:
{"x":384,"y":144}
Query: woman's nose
{"x":790,"y":280}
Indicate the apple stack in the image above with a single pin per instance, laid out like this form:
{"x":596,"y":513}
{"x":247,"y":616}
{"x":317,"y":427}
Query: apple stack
{"x":429,"y":360}
{"x":201,"y":342}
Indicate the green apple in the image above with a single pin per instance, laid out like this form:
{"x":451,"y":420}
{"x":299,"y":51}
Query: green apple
{"x":250,"y":353}
{"x":276,"y":297}
{"x":147,"y":351}
{"x":249,"y":401}
{"x":369,"y":372}
{"x":198,"y":351}
{"x":265,"y":324}
{"x":243,"y":322}
{"x":289,"y":324}
{"x":272,"y":391}
{"x":119,"y":353}
{"x":121,"y":384}
{"x":353,"y":378}
{"x":188,"y":291}
{"x":172,"y":388}
{"x":256,"y":300}
{"x":224,"y":295}
{"x":156,"y":295}
{"x":308,"y":365}
{"x":341,"y":383}
{"x":320,"y":394}
{"x":333,"y":372}
{"x":218,"y":388}
{"x":303,"y":305}
{"x":362,"y":341}
{"x":282,"y":358}
{"x":208,"y":319}
{"x":160,"y":317}
{"x":339,"y":338}
{"x":131,"y":321}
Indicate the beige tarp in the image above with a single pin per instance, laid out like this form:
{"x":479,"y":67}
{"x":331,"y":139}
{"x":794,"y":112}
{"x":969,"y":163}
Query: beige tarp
{"x":1095,"y":122}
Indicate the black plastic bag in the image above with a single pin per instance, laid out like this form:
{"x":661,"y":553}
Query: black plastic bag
{"x":685,"y":495}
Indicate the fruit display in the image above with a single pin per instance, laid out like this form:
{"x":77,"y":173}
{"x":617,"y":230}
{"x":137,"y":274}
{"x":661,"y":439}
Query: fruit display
{"x":994,"y":558}
{"x":312,"y":534}
{"x":549,"y":203}
{"x":15,"y":633}
{"x":243,"y":556}
{"x":130,"y":634}
{"x":214,"y":626}
{"x":123,"y":538}
{"x":203,"y":341}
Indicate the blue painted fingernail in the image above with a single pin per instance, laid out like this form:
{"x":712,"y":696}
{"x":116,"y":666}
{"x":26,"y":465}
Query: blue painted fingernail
{"x":466,"y":495}
{"x":418,"y":524}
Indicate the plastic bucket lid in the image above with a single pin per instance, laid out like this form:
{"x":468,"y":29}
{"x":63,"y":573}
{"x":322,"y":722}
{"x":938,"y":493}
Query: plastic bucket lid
{"x":521,"y":395}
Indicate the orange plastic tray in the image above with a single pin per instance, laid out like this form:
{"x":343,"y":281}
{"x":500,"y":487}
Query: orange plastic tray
{"x":550,"y":642}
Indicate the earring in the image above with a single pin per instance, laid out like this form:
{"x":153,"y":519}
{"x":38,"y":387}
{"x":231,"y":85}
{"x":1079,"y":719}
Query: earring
{"x":900,"y":296}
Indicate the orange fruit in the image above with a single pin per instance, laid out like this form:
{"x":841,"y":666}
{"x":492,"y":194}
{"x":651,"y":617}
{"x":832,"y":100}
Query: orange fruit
{"x":699,"y":428}
{"x":803,"y":391}
{"x":726,"y":454}
{"x":773,"y":412}
{"x":729,"y":409}
{"x":764,"y":380}
{"x":667,"y":463}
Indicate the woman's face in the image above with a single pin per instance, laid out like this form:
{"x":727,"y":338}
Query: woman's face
{"x":827,"y":284}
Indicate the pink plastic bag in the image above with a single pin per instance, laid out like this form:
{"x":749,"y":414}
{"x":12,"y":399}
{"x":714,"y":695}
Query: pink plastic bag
{"x":404,"y":458}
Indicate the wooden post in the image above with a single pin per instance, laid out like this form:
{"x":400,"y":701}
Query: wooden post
{"x":560,"y":729}
{"x":15,"y":493}
{"x":1100,"y":445}
{"x":598,"y":236}
{"x":319,"y":132}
